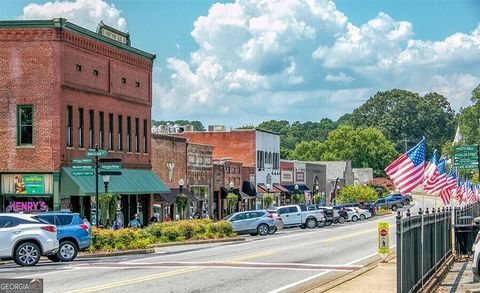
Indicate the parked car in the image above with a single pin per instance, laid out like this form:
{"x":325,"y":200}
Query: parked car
{"x":331,"y":215}
{"x":342,"y":213}
{"x":476,"y":259}
{"x":251,"y":222}
{"x":277,"y":220}
{"x":25,"y":239}
{"x":73,"y":234}
{"x":389,"y":203}
{"x":366,"y":206}
{"x":352,"y":214}
{"x":405,"y":199}
{"x":299,"y":215}
{"x":364,"y":214}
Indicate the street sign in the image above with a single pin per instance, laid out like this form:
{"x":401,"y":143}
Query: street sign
{"x":473,"y":148}
{"x":82,"y":167}
{"x":83,"y":173}
{"x":109,"y":160}
{"x":383,"y":238}
{"x":96,"y":153}
{"x":466,"y":155}
{"x":114,"y":173}
{"x":466,"y":161}
{"x":467,"y":166}
{"x":110,"y":167}
{"x":82,"y":161}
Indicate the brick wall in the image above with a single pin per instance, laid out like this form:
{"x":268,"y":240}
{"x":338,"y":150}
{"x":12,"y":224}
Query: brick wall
{"x":38,"y":67}
{"x":237,"y":145}
{"x":169,"y":149}
{"x":199,"y":164}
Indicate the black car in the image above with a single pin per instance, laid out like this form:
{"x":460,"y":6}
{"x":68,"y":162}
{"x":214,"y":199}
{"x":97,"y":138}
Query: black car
{"x":327,"y":212}
{"x":405,"y":199}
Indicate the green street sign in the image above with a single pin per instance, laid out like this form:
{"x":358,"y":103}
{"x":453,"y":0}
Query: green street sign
{"x":466,"y":148}
{"x":83,"y":173}
{"x":467,"y":166}
{"x":82,"y":161}
{"x":96,"y":153}
{"x":110,"y":167}
{"x":82,"y":167}
{"x":459,"y":161}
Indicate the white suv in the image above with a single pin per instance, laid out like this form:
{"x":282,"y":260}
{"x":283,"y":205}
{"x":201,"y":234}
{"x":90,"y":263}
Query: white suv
{"x":476,"y":259}
{"x":24,"y":238}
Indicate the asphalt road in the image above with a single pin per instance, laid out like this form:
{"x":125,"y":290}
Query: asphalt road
{"x":276,"y":263}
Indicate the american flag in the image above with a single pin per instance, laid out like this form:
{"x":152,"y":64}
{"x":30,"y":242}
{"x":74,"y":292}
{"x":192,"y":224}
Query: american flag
{"x":460,"y":191}
{"x":471,"y":193}
{"x":449,"y":188}
{"x":407,"y":170}
{"x":431,"y":170}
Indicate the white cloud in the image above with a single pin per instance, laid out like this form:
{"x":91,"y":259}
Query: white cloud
{"x":302,"y":59}
{"x":86,"y":13}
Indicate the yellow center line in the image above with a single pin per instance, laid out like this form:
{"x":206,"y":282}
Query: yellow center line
{"x":333,"y":239}
{"x":161,"y":275}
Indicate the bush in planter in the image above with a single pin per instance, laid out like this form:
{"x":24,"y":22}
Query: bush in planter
{"x":268,"y":200}
{"x":317,"y":199}
{"x":186,"y":229}
{"x":225,"y":229}
{"x":299,"y":198}
{"x":232,"y":199}
{"x":181,"y":201}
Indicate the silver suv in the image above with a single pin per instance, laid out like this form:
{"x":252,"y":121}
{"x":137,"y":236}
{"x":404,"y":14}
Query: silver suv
{"x":25,"y":239}
{"x":258,"y":222}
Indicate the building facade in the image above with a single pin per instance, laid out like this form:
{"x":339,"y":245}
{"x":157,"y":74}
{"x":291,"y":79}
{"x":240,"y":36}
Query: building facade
{"x":200,"y":175}
{"x":64,"y":91}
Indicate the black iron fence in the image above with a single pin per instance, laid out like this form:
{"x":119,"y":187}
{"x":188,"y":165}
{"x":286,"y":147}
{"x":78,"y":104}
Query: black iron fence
{"x":424,"y":242}
{"x":464,"y":215}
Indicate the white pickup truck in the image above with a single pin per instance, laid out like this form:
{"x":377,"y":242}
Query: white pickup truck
{"x":298,"y":215}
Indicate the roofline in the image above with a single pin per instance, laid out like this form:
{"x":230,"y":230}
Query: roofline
{"x":62,"y":23}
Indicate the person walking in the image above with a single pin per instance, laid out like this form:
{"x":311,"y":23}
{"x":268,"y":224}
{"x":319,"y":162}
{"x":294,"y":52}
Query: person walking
{"x":134,"y":223}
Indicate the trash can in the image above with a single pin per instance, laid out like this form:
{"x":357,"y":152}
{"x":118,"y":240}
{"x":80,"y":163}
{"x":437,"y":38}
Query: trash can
{"x":465,"y":235}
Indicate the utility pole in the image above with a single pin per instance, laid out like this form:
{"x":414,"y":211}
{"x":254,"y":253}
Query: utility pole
{"x":406,"y":146}
{"x":96,"y":185}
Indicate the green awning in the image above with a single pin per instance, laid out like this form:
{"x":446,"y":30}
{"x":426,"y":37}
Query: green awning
{"x":132,"y":181}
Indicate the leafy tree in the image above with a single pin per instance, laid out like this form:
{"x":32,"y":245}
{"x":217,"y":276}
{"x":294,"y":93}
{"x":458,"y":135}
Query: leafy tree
{"x":381,"y":185}
{"x":403,"y":115}
{"x":365,"y":147}
{"x":357,"y":193}
{"x":469,"y":120}
{"x":247,"y":126}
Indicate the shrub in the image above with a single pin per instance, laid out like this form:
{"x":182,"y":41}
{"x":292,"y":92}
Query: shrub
{"x":171,"y":233}
{"x":225,"y":229}
{"x":186,"y":229}
{"x":357,"y":193}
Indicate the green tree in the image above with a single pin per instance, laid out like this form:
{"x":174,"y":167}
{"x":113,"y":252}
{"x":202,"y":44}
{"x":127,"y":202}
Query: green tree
{"x":403,"y":115}
{"x":308,"y":151}
{"x":469,"y":120}
{"x":357,"y":193}
{"x":181,"y":201}
{"x":267,"y":200}
{"x":232,"y":199}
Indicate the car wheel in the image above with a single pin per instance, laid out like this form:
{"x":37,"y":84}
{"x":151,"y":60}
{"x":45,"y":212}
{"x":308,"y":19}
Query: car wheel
{"x":27,"y":254}
{"x":311,"y":223}
{"x":362,"y":217}
{"x":272,"y":230}
{"x":354,"y":218}
{"x":253,"y":234}
{"x":341,"y":220}
{"x":328,"y":223}
{"x":407,"y":202}
{"x":53,"y":258}
{"x":263,"y":229}
{"x":67,"y":251}
{"x":394,"y":208}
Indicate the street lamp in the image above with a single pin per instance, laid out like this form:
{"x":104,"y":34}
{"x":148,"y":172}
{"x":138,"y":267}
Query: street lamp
{"x":106,"y":179}
{"x":317,"y":190}
{"x":268,"y":188}
{"x":180,"y":184}
{"x":231,"y":185}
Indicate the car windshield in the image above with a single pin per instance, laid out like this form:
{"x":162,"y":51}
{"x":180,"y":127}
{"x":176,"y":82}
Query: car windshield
{"x":228,"y":217}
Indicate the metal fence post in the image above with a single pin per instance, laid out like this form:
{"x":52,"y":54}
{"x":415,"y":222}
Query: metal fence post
{"x":420,"y":212}
{"x":435,"y":239}
{"x":399,"y":252}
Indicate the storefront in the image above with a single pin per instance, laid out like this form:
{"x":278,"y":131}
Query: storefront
{"x":135,"y":189}
{"x":26,"y":193}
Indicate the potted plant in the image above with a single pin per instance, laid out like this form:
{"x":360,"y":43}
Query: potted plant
{"x":181,"y":201}
{"x":232,"y":199}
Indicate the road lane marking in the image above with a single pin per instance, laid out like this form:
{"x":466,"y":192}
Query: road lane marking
{"x":136,"y":280}
{"x":161,"y":275}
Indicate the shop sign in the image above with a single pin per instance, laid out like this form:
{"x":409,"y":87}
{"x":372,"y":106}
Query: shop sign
{"x":26,"y":206}
{"x":29,"y":184}
{"x":287,"y":176}
{"x":300,"y":176}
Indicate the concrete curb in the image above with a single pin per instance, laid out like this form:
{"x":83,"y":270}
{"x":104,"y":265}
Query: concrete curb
{"x":348,"y":276}
{"x":206,"y":241}
{"x":116,"y":253}
{"x":432,"y":284}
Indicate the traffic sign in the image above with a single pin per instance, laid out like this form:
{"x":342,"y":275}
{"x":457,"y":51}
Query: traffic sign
{"x":82,"y":167}
{"x":465,"y":161}
{"x":466,"y":155}
{"x":83,"y":173}
{"x":96,"y":153}
{"x":114,"y":173}
{"x":383,"y":238}
{"x":466,"y":148}
{"x":467,"y":166}
{"x":82,"y":161}
{"x":109,"y":160}
{"x":110,"y":167}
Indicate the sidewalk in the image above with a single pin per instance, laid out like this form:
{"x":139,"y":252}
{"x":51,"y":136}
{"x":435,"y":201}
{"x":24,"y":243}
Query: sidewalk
{"x":377,"y":277}
{"x":460,"y":279}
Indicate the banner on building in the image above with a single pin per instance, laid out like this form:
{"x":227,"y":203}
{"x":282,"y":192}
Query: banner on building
{"x":29,"y":184}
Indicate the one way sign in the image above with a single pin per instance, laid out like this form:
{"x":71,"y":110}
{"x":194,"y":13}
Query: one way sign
{"x":383,"y":238}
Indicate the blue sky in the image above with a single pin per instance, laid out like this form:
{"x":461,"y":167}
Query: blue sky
{"x":244,"y":62}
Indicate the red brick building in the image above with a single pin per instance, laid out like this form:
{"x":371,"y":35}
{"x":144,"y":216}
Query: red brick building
{"x":64,"y":90}
{"x":200,"y":175}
